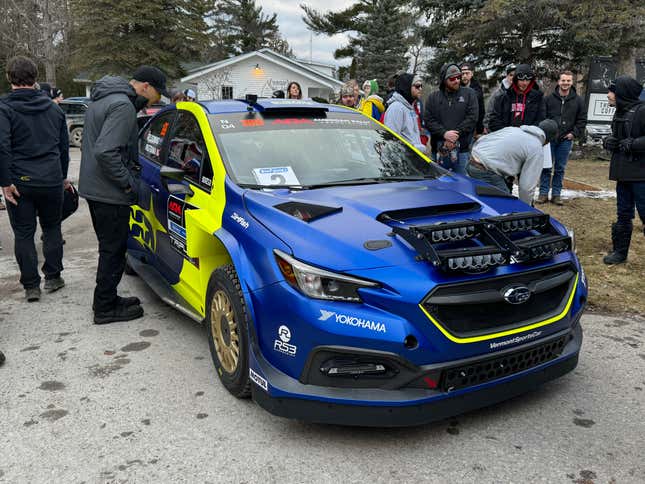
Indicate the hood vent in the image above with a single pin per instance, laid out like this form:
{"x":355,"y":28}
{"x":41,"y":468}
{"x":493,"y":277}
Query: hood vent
{"x":433,"y":211}
{"x":307,"y":212}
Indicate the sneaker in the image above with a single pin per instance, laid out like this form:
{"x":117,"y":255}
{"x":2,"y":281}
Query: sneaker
{"x":124,"y":301}
{"x":120,"y":312}
{"x":542,"y":199}
{"x":32,"y":294}
{"x":557,"y":200}
{"x":52,"y":285}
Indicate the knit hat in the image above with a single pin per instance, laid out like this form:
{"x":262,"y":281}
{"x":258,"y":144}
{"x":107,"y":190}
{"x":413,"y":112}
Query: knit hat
{"x":550,"y":129}
{"x":347,"y":90}
{"x":373,"y":85}
{"x":525,"y":69}
{"x":451,"y":71}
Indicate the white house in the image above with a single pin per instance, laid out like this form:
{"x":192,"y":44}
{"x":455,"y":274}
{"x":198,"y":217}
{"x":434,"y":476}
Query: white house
{"x":261,"y":72}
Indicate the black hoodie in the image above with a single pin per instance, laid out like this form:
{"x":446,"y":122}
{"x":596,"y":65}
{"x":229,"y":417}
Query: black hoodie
{"x":446,"y":111}
{"x":515,"y":108}
{"x":628,"y":122}
{"x":34,"y":144}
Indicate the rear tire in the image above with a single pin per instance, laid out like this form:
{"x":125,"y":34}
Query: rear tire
{"x":227,"y":328}
{"x":76,"y":136}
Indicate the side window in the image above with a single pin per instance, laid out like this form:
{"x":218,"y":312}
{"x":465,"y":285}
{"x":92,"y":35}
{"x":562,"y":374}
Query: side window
{"x":187,"y":151}
{"x":151,"y":140}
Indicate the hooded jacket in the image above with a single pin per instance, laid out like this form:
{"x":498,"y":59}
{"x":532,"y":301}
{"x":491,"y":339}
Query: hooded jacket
{"x":499,"y":91}
{"x":400,"y":115}
{"x":372,"y":106}
{"x":514,"y":152}
{"x":569,"y":112}
{"x":445,"y":111}
{"x":109,"y":161}
{"x":515,"y":108}
{"x":628,"y":122}
{"x":34,"y":144}
{"x":481,"y":107}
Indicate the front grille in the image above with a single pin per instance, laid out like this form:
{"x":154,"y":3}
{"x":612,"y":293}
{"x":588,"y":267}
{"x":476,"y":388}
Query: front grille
{"x":478,"y":308}
{"x":486,"y":370}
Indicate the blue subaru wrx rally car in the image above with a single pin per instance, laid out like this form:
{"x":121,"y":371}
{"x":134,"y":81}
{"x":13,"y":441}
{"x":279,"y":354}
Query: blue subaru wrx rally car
{"x":341,"y":276}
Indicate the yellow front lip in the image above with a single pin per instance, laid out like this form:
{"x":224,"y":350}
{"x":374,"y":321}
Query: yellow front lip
{"x":485,"y":337}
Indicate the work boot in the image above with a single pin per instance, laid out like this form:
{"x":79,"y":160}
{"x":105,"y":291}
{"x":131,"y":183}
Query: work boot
{"x":32,"y":294}
{"x":621,"y":236}
{"x":52,"y":285}
{"x":120,"y":312}
{"x":542,"y":199}
{"x":125,"y":301}
{"x":557,"y":200}
{"x":1,"y":358}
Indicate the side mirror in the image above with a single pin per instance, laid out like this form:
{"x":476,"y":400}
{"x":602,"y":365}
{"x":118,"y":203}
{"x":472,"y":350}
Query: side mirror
{"x":176,"y":174}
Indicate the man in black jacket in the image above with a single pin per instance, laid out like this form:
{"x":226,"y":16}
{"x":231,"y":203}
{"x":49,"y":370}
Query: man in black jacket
{"x":522,"y":104}
{"x":34,"y":156}
{"x":451,"y":116}
{"x":109,"y":179}
{"x":467,"y":71}
{"x":627,"y":167}
{"x":567,"y":109}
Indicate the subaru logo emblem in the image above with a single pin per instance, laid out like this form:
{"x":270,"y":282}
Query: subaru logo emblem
{"x":517,"y":294}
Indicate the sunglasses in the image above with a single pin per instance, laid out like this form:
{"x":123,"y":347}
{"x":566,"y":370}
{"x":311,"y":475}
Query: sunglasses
{"x":418,"y":86}
{"x":455,"y":78}
{"x":524,"y":77}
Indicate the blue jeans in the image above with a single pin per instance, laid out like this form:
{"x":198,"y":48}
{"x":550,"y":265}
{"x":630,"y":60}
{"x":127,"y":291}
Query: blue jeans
{"x":629,"y":195}
{"x":462,"y":161}
{"x":487,"y":176}
{"x":560,"y":154}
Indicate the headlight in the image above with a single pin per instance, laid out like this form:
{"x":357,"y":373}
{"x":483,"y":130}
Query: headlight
{"x":571,"y":234}
{"x":319,"y":283}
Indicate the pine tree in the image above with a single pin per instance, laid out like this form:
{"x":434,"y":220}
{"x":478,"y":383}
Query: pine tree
{"x":245,"y":27}
{"x":115,"y":36}
{"x":379,"y":37}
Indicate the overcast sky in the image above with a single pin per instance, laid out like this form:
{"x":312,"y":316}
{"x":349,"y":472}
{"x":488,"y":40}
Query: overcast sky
{"x":295,"y":31}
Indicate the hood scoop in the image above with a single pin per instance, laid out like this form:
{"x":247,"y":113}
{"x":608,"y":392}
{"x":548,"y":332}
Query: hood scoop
{"x":432,"y":211}
{"x":307,"y":212}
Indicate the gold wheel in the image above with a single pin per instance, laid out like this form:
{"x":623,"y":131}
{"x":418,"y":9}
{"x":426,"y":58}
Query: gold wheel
{"x":224,"y":332}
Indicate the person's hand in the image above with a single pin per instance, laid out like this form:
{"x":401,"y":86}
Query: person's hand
{"x":66,"y":184}
{"x":449,"y":145}
{"x":625,"y":145}
{"x":568,"y":136}
{"x":451,"y":136}
{"x":11,"y":193}
{"x":610,"y":143}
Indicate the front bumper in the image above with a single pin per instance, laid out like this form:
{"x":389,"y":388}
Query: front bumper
{"x":287,"y":397}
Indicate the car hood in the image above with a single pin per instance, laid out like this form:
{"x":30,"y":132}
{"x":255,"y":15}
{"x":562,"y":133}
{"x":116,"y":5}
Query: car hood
{"x":356,"y":233}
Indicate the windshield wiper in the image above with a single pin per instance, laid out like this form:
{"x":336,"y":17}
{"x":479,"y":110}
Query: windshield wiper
{"x":252,"y":186}
{"x":368,"y":180}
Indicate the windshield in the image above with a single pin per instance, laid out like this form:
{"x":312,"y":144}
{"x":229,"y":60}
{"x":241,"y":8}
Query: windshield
{"x":340,"y":148}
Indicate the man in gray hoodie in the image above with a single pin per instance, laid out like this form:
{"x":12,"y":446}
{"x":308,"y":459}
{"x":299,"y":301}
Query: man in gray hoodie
{"x":109,"y":179}
{"x":400,"y":115}
{"x":512,"y":152}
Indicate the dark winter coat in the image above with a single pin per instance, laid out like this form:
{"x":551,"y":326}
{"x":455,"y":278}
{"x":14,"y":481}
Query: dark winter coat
{"x":34,"y":144}
{"x":109,"y":161}
{"x":504,"y":112}
{"x":446,"y":111}
{"x":569,"y":112}
{"x":476,"y":86}
{"x":628,"y":166}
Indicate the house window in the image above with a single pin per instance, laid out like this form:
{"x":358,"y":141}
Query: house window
{"x":227,"y":92}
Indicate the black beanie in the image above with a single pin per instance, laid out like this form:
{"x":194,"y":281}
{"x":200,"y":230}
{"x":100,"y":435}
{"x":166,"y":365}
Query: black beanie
{"x":403,"y":86}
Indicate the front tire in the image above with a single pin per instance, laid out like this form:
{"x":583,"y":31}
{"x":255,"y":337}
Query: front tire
{"x":227,"y":328}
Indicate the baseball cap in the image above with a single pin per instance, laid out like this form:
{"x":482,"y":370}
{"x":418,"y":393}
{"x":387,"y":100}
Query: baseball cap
{"x":153,"y":76}
{"x":467,"y":66}
{"x":510,"y":68}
